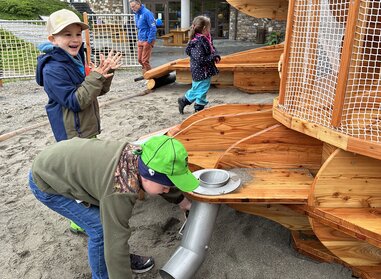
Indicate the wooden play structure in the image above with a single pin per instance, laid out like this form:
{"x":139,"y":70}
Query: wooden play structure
{"x":251,"y":71}
{"x":313,"y":157}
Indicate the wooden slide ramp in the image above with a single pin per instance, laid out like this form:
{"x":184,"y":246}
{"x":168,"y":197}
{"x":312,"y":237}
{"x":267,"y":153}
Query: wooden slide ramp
{"x":330,"y":199}
{"x":251,"y":71}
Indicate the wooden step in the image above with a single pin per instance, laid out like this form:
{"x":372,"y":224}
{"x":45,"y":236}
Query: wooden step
{"x":353,"y":251}
{"x":281,"y":186}
{"x":361,"y":223}
{"x":306,"y":243}
{"x":346,"y":195}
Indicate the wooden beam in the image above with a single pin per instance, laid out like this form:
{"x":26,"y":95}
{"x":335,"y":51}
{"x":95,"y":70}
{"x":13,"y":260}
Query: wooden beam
{"x":345,"y":62}
{"x":87,"y":38}
{"x":286,"y":52}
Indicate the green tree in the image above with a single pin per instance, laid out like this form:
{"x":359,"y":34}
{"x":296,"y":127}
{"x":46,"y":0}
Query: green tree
{"x":29,"y":9}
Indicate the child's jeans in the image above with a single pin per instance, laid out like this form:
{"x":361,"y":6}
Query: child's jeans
{"x":86,"y":217}
{"x":198,"y":91}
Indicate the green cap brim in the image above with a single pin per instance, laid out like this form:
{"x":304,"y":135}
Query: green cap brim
{"x":186,"y":182}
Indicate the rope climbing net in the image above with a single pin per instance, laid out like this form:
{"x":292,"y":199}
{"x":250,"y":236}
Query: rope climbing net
{"x":319,"y":55}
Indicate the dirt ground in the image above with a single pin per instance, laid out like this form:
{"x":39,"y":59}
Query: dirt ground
{"x":36,"y":242}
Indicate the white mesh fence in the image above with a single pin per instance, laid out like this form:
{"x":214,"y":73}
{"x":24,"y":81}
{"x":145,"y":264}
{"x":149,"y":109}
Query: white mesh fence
{"x":20,"y":38}
{"x":314,"y":65}
{"x":117,"y":32}
{"x":362,"y":113}
{"x":18,"y":47}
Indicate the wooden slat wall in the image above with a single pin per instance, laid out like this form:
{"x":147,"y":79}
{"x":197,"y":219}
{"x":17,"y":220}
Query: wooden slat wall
{"x":348,"y":180}
{"x":217,"y":133}
{"x":274,"y":147}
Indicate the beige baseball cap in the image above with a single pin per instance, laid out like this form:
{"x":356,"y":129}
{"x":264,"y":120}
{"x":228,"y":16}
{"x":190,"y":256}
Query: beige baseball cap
{"x":59,"y":20}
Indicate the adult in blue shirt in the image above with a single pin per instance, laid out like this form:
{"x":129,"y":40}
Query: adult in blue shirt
{"x":146,"y":25}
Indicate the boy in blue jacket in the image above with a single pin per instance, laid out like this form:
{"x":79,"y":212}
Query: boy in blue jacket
{"x":146,"y":25}
{"x":72,"y":108}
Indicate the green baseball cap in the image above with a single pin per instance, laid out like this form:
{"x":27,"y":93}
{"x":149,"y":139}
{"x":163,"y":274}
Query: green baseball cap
{"x":168,"y":156}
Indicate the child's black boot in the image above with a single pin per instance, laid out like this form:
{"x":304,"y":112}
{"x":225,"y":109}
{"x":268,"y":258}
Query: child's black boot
{"x":182,"y":103}
{"x":198,"y":107}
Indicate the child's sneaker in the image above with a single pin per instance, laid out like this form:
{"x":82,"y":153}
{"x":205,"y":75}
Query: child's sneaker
{"x":141,"y":264}
{"x":74,"y":228}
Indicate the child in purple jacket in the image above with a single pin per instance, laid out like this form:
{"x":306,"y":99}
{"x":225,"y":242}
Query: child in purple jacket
{"x":203,"y":56}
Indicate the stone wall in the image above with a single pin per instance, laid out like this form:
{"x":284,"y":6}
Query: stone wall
{"x":246,"y":28}
{"x":106,"y":6}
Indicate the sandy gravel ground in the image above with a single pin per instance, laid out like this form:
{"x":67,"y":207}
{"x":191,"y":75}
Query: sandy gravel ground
{"x":36,"y":243}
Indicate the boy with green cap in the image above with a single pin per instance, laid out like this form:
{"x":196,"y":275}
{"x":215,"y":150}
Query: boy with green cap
{"x":108,"y":176}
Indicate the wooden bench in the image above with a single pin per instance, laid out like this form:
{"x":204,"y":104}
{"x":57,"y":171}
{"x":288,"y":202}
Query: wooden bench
{"x":106,"y":30}
{"x":167,"y":39}
{"x":119,"y":36}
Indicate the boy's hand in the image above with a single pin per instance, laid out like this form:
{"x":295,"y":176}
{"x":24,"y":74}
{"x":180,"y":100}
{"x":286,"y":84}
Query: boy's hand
{"x":112,"y":62}
{"x":185,"y":204}
{"x":103,"y":67}
{"x":114,"y":59}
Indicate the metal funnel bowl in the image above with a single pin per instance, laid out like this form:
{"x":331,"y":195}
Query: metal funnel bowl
{"x":214,"y":178}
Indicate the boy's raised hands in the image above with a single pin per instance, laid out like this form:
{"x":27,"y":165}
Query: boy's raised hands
{"x":115,"y":59}
{"x":112,"y":62}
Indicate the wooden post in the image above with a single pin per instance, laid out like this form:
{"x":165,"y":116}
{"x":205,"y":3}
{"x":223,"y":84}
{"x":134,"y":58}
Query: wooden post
{"x":286,"y":51}
{"x":87,"y":37}
{"x":345,"y":62}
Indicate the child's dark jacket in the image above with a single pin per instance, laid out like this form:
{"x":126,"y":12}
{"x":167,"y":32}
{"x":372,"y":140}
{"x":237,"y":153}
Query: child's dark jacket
{"x":202,"y":58}
{"x":73,"y":108}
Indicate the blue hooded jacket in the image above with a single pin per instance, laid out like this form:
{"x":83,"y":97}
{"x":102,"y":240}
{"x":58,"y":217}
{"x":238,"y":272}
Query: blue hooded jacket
{"x":73,"y":108}
{"x":146,"y":25}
